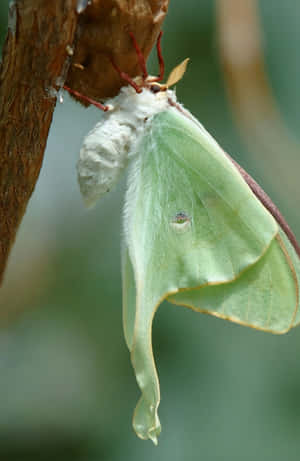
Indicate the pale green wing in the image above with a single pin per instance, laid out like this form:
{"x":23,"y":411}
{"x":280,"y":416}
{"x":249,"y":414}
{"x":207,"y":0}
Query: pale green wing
{"x":294,"y":263}
{"x":189,"y":220}
{"x":265,"y":296}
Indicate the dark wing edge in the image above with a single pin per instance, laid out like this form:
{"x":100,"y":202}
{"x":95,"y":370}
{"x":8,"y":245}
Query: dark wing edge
{"x":268,"y":204}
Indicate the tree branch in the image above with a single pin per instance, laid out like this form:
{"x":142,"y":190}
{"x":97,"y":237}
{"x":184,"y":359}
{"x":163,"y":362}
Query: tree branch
{"x":34,"y":57}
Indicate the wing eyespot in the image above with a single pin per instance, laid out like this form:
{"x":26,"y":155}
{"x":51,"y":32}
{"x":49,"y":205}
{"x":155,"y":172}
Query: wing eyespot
{"x":181,"y":222}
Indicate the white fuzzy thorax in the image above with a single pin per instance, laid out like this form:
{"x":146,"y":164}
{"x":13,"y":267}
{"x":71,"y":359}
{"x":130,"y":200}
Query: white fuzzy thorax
{"x":109,"y":145}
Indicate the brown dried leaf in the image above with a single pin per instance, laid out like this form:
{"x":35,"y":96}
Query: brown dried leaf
{"x":105,"y":35}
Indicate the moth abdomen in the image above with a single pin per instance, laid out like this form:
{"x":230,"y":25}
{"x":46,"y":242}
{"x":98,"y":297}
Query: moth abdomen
{"x":102,"y":159}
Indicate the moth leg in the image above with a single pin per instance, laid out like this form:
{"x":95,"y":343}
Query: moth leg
{"x":141,"y":57}
{"x":86,"y":99}
{"x":126,"y":77}
{"x":161,"y":61}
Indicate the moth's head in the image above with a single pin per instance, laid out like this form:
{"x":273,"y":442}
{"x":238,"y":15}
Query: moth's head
{"x":155,"y":87}
{"x":151,"y":84}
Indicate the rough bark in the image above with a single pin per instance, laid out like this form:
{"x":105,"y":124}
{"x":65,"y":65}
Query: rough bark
{"x":34,"y":57}
{"x":43,"y":37}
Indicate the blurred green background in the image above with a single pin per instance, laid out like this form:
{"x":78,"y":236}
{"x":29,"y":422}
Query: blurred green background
{"x":67,"y":389}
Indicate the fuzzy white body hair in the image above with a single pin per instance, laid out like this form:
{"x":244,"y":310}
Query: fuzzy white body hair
{"x":109,"y":145}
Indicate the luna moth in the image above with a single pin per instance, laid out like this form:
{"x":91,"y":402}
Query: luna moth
{"x":197,"y":230}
